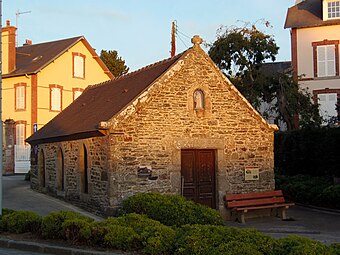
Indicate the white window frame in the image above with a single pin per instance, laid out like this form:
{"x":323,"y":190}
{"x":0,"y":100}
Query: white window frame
{"x":326,"y":60}
{"x":331,"y":9}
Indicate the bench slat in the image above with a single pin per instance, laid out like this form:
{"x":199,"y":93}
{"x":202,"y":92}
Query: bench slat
{"x":255,"y":202}
{"x":263,"y":207}
{"x":274,"y":193}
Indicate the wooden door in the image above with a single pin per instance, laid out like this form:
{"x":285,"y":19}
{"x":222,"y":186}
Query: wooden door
{"x":198,"y":176}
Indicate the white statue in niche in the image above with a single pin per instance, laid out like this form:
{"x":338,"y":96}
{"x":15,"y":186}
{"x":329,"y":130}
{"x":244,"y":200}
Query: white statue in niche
{"x":198,"y":100}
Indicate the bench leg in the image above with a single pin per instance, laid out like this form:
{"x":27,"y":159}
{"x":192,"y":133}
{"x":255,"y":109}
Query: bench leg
{"x":233,"y":215}
{"x":240,"y":217}
{"x":282,"y":213}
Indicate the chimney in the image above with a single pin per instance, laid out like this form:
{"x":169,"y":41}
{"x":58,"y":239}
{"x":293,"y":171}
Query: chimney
{"x":8,"y":48}
{"x":28,"y":42}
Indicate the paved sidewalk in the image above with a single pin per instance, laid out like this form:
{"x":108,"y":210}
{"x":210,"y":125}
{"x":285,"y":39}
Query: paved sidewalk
{"x":316,"y":224}
{"x":18,"y":195}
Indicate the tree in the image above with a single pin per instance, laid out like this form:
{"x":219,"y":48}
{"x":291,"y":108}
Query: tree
{"x":115,"y":64}
{"x":241,"y":52}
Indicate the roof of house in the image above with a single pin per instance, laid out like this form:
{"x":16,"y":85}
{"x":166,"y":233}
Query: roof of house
{"x":276,"y":67}
{"x":99,"y":103}
{"x":308,"y":13}
{"x":32,"y":58}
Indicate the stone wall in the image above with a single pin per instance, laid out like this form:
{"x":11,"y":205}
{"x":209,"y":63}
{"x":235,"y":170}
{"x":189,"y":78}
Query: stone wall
{"x":96,"y":199}
{"x":163,"y":121}
{"x":155,"y":128}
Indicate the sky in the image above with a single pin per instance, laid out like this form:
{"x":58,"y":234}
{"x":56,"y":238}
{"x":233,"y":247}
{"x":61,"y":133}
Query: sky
{"x":140,"y":30}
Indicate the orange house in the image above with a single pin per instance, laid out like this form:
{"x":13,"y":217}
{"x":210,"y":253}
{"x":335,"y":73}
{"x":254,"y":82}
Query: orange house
{"x":39,"y":81}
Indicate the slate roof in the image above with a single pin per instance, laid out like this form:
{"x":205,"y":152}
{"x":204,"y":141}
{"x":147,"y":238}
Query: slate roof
{"x":31,"y":59}
{"x":307,"y":14}
{"x":277,"y":67}
{"x":99,"y":103}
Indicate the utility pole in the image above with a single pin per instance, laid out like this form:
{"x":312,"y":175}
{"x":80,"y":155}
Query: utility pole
{"x":17,"y":14}
{"x":173,"y":39}
{"x":1,"y":123}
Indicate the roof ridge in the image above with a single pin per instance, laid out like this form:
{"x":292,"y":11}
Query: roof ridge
{"x":125,"y":76}
{"x":148,"y":66}
{"x":34,"y":44}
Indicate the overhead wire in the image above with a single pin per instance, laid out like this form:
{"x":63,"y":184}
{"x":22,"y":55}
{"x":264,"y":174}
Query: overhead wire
{"x":180,"y":36}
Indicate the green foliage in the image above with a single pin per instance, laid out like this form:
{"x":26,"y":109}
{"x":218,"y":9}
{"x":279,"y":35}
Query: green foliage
{"x":335,"y":249}
{"x":237,"y":248}
{"x":121,"y":237}
{"x":298,"y":245}
{"x":136,"y":232}
{"x":52,"y":224}
{"x":240,"y":52}
{"x":305,"y":189}
{"x":171,"y":210}
{"x":77,"y":230}
{"x":207,"y":239}
{"x":152,"y":237}
{"x":21,"y":222}
{"x":308,"y":151}
{"x":115,"y":64}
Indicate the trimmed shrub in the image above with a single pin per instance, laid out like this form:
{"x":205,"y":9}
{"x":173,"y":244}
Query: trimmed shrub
{"x":237,"y":248}
{"x":308,"y":151}
{"x":52,"y":224}
{"x":335,"y":248}
{"x":298,"y":245}
{"x":211,"y":240}
{"x":152,"y":236}
{"x":21,"y":222}
{"x":5,"y":211}
{"x":305,"y":189}
{"x":77,"y":230}
{"x":121,"y":237}
{"x":171,"y":210}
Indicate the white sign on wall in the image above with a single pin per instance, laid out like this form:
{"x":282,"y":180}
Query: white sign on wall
{"x":251,"y":173}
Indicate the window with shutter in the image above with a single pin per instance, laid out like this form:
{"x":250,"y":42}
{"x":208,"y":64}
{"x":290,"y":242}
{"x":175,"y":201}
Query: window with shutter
{"x":55,"y":97}
{"x":20,"y":98}
{"x":20,"y":94}
{"x":20,"y":134}
{"x":78,"y":65}
{"x":326,"y":60}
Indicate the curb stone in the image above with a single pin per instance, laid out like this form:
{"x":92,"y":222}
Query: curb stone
{"x":50,"y":249}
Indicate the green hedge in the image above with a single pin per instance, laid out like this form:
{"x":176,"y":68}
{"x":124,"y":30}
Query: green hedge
{"x":21,"y":222}
{"x":314,"y":152}
{"x":52,"y":224}
{"x":318,"y":191}
{"x":171,"y":210}
{"x":136,"y":232}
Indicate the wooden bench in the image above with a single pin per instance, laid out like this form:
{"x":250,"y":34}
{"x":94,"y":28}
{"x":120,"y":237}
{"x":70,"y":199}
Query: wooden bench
{"x":239,"y":204}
